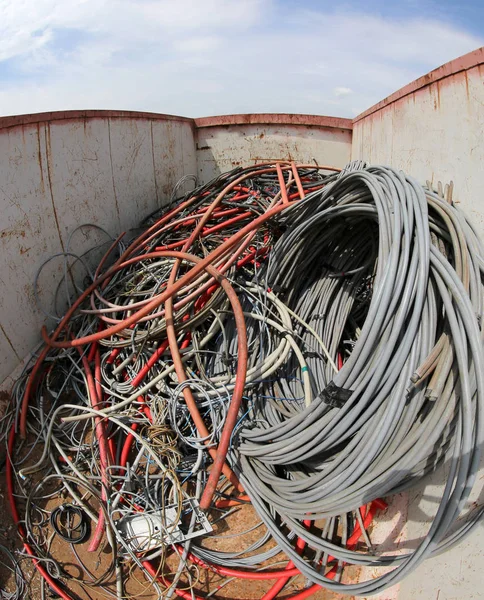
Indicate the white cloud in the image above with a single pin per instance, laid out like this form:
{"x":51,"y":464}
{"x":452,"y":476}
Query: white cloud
{"x":212,"y":57}
{"x":342,"y":91}
{"x":197,"y":44}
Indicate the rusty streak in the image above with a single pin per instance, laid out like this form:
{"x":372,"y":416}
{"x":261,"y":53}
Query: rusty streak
{"x":112,"y":174}
{"x":154,"y":168}
{"x":48,"y":152}
{"x":9,"y":342}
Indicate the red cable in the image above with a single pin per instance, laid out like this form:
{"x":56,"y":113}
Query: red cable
{"x":244,"y":574}
{"x":299,"y":185}
{"x":13,"y":509}
{"x":127,"y":446}
{"x":225,"y":224}
{"x":229,"y":502}
{"x":220,"y":453}
{"x":242,"y":354}
{"x":277,"y":587}
{"x":151,"y":361}
{"x":155,"y":302}
{"x":101,"y":439}
{"x":112,"y":356}
{"x":282,"y":184}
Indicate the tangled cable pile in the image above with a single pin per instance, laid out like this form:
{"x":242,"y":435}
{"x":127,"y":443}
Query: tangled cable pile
{"x":305,"y":342}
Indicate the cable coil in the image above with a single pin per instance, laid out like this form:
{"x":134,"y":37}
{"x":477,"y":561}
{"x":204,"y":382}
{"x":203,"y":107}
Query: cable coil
{"x":288,"y":339}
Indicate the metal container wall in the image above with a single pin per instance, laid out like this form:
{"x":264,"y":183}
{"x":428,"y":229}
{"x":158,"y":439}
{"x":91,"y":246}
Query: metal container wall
{"x":58,"y":171}
{"x":433,"y":129}
{"x":232,"y":140}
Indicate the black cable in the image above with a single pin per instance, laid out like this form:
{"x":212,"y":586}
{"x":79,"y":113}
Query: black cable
{"x":63,"y":521}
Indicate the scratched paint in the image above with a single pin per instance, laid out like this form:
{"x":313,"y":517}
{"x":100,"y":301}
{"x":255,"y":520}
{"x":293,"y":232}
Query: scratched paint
{"x":173,"y":155}
{"x":27,"y":232}
{"x":221,"y":148}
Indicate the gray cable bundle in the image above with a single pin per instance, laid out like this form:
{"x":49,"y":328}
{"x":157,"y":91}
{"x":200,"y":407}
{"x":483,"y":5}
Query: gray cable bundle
{"x":392,"y":272}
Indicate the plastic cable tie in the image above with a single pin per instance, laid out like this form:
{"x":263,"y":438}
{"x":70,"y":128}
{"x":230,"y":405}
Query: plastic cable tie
{"x":335,"y":396}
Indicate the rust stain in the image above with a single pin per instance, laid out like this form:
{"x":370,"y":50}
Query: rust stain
{"x":28,"y":293}
{"x":226,"y":121}
{"x":438,"y":93}
{"x":265,"y":159}
{"x":24,"y":250}
{"x":112,"y":173}
{"x":467,"y":85}
{"x":154,"y":167}
{"x":6,"y":233}
{"x":73,"y":116}
{"x":39,"y":157}
{"x":9,"y":342}
{"x":48,"y":151}
{"x":428,"y":79}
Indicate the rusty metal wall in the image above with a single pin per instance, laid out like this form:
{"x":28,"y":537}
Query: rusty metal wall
{"x":58,"y":174}
{"x":433,"y":130}
{"x":434,"y":133}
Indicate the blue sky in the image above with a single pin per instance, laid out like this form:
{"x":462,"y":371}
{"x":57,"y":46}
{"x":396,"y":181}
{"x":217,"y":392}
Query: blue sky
{"x":205,"y":57}
{"x":468,"y":15}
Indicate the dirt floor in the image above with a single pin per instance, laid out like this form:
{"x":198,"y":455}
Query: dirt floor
{"x":240,"y":521}
{"x":207,"y":583}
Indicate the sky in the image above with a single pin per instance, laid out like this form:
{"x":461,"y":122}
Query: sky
{"x":210,"y":57}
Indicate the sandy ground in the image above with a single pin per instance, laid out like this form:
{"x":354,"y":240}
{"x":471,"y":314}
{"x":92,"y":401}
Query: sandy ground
{"x":97,"y":563}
